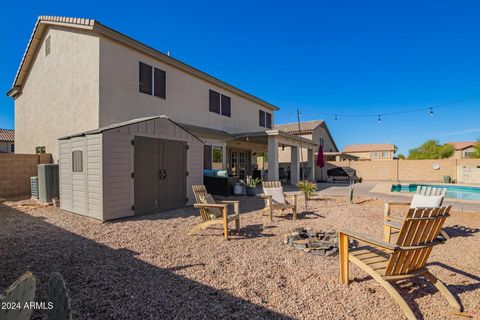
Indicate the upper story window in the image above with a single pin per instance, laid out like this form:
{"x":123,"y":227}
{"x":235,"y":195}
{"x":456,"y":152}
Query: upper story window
{"x":265,"y":119}
{"x":374,"y":155}
{"x":385,"y":154}
{"x":152,"y":81}
{"x":47,"y":46}
{"x":322,"y":141}
{"x":40,"y":149}
{"x":219,"y":103}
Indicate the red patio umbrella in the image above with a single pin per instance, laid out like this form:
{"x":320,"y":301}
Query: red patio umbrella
{"x":320,"y":160}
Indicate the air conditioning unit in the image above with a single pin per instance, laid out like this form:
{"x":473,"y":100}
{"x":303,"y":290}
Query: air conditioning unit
{"x":48,"y":182}
{"x":34,"y":187}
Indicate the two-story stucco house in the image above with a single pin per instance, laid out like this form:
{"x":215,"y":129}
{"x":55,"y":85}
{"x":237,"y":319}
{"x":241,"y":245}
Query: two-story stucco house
{"x":79,"y":75}
{"x":371,"y":151}
{"x":315,"y":130}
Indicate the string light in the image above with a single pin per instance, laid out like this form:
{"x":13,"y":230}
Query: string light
{"x":379,"y":115}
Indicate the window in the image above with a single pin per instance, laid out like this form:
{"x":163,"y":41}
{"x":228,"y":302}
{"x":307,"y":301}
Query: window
{"x":214,"y":102}
{"x":160,"y":83}
{"x":145,"y":78}
{"x":385,"y":154}
{"x":40,"y":149}
{"x":373,"y":155}
{"x":226,"y":106}
{"x":261,"y":118}
{"x":322,"y":141}
{"x":47,"y":46}
{"x":269,"y":120}
{"x":265,"y":119}
{"x":470,"y":154}
{"x":217,"y":158}
{"x":219,"y":103}
{"x":12,"y":148}
{"x":77,"y":161}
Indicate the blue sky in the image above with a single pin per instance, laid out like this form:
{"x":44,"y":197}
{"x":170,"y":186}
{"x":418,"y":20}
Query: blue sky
{"x":319,"y":56}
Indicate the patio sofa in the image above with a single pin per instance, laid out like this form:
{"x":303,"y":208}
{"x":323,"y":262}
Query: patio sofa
{"x":218,"y":182}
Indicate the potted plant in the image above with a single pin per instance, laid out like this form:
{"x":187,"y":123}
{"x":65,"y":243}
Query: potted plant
{"x":252,"y":186}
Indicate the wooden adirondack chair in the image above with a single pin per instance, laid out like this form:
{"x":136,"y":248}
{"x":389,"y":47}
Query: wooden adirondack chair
{"x":214,"y":213}
{"x":280,"y":203}
{"x":388,"y":263}
{"x":394,"y":223}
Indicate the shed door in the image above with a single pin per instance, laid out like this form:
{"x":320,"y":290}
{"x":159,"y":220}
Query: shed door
{"x":160,"y":174}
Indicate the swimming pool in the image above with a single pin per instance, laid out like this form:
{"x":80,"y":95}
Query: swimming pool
{"x":453,"y":191}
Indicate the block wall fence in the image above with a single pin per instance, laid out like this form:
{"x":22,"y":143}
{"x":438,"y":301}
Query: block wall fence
{"x":16,"y":170}
{"x":409,"y":170}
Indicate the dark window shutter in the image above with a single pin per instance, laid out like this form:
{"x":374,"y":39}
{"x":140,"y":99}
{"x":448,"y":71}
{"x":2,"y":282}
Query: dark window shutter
{"x":269,"y":120}
{"x":145,"y":78}
{"x":207,"y":157}
{"x":226,"y":106}
{"x":214,"y":102}
{"x":160,"y":81}
{"x":261,"y":118}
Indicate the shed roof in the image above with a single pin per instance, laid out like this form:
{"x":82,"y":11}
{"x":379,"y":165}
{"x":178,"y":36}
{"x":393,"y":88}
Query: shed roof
{"x":123,"y":124}
{"x":97,"y":27}
{"x":369,"y":147}
{"x":7,"y":135}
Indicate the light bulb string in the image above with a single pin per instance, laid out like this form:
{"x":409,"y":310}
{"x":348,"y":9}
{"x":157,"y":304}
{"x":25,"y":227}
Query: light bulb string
{"x":380,"y":115}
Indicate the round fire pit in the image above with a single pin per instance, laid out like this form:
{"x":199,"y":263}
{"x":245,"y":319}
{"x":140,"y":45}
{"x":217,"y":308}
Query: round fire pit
{"x":322,"y":243}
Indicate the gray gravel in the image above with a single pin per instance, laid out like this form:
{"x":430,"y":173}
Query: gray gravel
{"x":149,"y":268}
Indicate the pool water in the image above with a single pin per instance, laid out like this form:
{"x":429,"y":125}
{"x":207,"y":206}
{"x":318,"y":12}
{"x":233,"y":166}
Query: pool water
{"x":454,"y":192}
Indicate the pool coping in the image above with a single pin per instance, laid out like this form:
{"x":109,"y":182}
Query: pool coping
{"x":385,"y":188}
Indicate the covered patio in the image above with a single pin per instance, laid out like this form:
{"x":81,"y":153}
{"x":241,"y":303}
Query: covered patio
{"x":269,"y":142}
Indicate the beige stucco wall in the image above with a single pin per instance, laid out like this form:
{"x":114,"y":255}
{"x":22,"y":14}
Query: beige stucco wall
{"x":460,"y":154}
{"x":187,"y":96}
{"x":6,"y":147}
{"x":60,"y":95}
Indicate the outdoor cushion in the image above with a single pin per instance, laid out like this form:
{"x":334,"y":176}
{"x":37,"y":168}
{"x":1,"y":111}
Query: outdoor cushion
{"x":276,"y":193}
{"x":222,"y":173}
{"x":209,"y":172}
{"x":420,"y":201}
{"x":212,"y":212}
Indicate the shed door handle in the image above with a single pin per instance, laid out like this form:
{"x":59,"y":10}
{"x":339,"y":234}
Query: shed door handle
{"x":162,"y":174}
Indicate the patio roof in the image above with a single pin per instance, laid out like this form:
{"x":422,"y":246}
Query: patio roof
{"x":284,"y":138}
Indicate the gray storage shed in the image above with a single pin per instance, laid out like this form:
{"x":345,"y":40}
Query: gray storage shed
{"x":134,"y":167}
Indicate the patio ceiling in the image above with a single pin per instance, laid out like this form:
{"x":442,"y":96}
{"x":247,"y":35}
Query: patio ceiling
{"x":283,"y":138}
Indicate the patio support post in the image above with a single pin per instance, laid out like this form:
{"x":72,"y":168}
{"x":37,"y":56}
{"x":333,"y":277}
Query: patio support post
{"x":311,"y":164}
{"x":294,"y":166}
{"x":272,"y":158}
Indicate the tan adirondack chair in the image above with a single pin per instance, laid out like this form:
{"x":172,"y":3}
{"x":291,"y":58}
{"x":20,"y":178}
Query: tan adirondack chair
{"x":394,"y":223}
{"x":214,"y":213}
{"x":388,"y":263}
{"x":275,"y":199}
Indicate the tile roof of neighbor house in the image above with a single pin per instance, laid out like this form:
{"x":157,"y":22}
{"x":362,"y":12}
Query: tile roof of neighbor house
{"x":7,"y":135}
{"x":462,"y":144}
{"x":369,"y":147}
{"x":96,"y":26}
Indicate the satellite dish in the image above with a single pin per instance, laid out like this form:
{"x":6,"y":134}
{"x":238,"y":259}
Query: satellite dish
{"x":436,"y":166}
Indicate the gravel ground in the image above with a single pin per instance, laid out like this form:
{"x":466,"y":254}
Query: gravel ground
{"x":149,"y":268}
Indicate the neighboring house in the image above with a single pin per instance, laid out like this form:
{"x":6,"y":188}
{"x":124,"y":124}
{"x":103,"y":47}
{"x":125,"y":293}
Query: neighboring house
{"x":463,"y":150}
{"x":315,"y":130}
{"x":7,"y":141}
{"x":383,"y":151}
{"x":79,"y":75}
